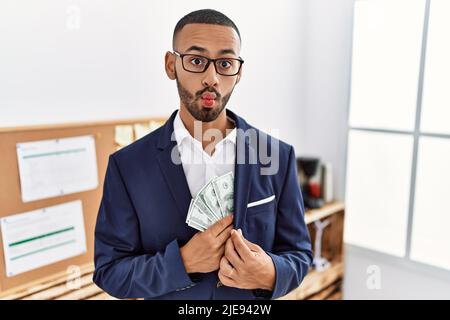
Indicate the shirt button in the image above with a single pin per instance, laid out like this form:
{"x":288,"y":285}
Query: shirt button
{"x":219,"y":284}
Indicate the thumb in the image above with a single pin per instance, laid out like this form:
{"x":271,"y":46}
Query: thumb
{"x":249,"y":244}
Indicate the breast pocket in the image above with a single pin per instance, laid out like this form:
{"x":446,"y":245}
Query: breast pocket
{"x":264,"y":204}
{"x":260,"y":222}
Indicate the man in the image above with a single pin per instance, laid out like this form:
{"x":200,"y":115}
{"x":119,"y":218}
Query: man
{"x":143,"y":246}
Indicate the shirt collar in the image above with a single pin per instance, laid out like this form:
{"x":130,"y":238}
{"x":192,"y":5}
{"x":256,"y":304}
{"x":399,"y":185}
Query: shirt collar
{"x":181,"y":133}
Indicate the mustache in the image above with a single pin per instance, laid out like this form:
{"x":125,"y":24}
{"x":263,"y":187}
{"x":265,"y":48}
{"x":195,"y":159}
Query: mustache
{"x":199,"y":93}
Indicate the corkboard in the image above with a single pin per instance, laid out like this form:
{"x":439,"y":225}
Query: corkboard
{"x":10,"y":193}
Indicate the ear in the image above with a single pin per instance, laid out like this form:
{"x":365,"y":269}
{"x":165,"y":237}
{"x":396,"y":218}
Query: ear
{"x":169,"y":64}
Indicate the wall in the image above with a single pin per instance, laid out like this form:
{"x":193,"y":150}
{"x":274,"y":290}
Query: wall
{"x":65,"y":61}
{"x":326,"y":76}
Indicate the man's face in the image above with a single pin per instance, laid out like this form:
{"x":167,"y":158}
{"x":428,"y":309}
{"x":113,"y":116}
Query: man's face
{"x":205,"y":94}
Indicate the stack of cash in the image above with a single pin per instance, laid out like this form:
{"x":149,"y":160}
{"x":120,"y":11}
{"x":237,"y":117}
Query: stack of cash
{"x":213,"y":202}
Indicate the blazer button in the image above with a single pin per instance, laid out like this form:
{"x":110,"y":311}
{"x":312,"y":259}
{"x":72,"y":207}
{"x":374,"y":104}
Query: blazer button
{"x":219,"y":284}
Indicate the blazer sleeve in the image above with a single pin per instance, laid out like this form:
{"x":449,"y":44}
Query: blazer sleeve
{"x":291,"y":254}
{"x":122,"y":269}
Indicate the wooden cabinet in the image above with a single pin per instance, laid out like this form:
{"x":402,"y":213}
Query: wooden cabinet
{"x":326,"y":284}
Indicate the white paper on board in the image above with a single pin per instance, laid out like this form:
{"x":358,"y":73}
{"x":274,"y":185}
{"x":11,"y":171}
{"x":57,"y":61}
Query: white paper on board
{"x":41,"y":237}
{"x":51,"y":168}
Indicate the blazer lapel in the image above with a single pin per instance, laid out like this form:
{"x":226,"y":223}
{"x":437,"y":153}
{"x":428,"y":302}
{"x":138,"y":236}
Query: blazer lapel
{"x":176,"y":179}
{"x":243,"y":172}
{"x":173,"y":171}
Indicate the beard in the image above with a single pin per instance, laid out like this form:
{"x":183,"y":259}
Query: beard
{"x":197,"y":111}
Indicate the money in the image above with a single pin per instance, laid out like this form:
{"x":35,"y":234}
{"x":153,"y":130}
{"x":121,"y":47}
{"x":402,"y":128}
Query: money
{"x":224,"y":189}
{"x":209,"y":198}
{"x":199,"y":218}
{"x":213,"y":202}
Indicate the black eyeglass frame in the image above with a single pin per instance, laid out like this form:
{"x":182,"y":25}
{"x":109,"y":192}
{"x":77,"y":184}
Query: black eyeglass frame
{"x":182,"y":55}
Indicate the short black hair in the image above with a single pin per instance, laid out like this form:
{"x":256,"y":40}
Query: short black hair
{"x":206,"y":16}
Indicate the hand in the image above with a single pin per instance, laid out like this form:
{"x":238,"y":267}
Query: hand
{"x":204,"y":250}
{"x":246,"y":265}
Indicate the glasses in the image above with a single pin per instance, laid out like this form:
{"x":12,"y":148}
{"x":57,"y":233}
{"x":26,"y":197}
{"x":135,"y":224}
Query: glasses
{"x":198,"y":64}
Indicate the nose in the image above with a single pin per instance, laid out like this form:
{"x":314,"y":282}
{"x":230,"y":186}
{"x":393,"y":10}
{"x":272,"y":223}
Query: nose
{"x":210,"y":77}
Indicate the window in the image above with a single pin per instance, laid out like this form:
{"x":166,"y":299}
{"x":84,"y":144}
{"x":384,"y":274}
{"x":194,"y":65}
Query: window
{"x":436,"y":93}
{"x":385,"y":67}
{"x":377,"y":192}
{"x":398,"y":158}
{"x":430,"y":235}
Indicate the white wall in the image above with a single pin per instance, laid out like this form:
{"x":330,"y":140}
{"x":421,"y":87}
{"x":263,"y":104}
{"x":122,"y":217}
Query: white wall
{"x":327,"y":52}
{"x":54,"y":72}
{"x":112,"y":65}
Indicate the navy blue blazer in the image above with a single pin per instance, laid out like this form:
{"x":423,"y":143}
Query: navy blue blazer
{"x":141,"y":221}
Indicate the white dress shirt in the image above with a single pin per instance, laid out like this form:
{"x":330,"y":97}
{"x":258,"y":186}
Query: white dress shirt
{"x":199,"y":167}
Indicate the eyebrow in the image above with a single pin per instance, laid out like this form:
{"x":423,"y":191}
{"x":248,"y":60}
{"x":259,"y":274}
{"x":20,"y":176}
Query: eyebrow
{"x":201,"y":49}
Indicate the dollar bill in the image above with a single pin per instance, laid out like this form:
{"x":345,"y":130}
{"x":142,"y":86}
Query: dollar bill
{"x":209,"y":198}
{"x":197,"y":217}
{"x":194,"y":225}
{"x":224,"y":190}
{"x":213,"y":202}
{"x":189,"y":210}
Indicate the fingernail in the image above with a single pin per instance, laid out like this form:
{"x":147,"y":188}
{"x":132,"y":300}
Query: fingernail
{"x":240,"y":231}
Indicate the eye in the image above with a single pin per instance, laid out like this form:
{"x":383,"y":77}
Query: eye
{"x":196,"y":61}
{"x":225,"y":64}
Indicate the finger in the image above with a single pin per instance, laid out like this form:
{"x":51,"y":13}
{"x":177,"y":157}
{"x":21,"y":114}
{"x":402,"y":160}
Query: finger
{"x":225,"y":235}
{"x":241,"y":247}
{"x":231,"y":254}
{"x":226,"y":281}
{"x":226,"y":268}
{"x":252,"y":246}
{"x":220,"y":225}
